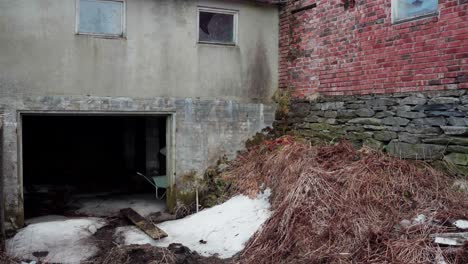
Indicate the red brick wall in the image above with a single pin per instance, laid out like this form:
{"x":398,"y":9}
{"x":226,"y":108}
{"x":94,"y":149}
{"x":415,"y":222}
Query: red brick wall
{"x":332,"y":50}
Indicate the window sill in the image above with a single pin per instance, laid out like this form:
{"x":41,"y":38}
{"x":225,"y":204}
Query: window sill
{"x":217,"y":44}
{"x":416,"y":18}
{"x":102,"y":36}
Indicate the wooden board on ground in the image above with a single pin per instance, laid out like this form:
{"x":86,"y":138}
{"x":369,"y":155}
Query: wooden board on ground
{"x":146,"y":226}
{"x":450,"y":239}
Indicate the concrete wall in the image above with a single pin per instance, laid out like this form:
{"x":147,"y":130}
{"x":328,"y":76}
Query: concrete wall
{"x":330,"y":49}
{"x":41,"y":55}
{"x":220,"y":95}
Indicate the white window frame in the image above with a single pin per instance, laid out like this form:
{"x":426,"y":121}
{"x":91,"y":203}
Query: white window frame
{"x":235,"y":14}
{"x":104,"y":35}
{"x":394,"y":11}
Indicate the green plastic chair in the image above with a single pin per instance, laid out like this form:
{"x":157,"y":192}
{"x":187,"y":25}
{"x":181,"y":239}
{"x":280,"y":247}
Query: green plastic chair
{"x":158,"y":182}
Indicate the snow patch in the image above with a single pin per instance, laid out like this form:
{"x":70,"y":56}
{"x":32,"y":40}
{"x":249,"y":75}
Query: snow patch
{"x":111,"y":205}
{"x":130,"y":235}
{"x":225,"y":227}
{"x":46,"y":218}
{"x":462,"y":224}
{"x":66,"y":241}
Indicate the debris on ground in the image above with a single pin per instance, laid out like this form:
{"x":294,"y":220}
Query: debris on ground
{"x":450,"y":239}
{"x":336,"y":204}
{"x":174,"y":254}
{"x":64,"y":241}
{"x":143,"y":224}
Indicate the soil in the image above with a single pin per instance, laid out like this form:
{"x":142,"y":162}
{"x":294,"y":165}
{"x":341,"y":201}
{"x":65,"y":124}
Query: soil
{"x":110,"y":253}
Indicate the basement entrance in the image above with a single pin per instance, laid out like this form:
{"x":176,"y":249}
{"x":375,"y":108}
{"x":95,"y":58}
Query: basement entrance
{"x":88,"y":164}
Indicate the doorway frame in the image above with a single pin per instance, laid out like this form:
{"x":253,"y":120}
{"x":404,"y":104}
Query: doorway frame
{"x":170,"y":137}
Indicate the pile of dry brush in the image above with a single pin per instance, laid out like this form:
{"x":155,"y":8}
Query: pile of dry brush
{"x":335,"y":204}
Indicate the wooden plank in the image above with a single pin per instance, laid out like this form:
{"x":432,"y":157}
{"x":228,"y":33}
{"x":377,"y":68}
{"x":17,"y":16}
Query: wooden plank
{"x":146,"y":226}
{"x":450,"y":239}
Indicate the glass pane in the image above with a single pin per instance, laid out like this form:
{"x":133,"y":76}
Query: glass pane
{"x":101,"y":17}
{"x":216,"y":27}
{"x":413,"y":8}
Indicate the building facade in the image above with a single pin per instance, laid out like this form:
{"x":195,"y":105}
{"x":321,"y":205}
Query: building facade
{"x":389,"y":74}
{"x":208,"y":67}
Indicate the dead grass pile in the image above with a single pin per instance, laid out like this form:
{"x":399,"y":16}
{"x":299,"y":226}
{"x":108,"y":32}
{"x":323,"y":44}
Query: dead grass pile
{"x":334,"y":204}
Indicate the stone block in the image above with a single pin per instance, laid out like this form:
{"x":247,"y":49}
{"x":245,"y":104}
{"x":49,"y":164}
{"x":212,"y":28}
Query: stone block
{"x":399,"y":108}
{"x":395,"y":121}
{"x":444,"y":140}
{"x":331,"y":106}
{"x":455,"y":130}
{"x":354,"y":128}
{"x":463,"y":108}
{"x":415,"y":151}
{"x":458,"y":121}
{"x":410,"y":115}
{"x":385,"y":135}
{"x":331,"y":121}
{"x":346,"y":114}
{"x":445,"y":113}
{"x":464,"y":99}
{"x":373,"y":144}
{"x":354,"y":106}
{"x":354,"y":136}
{"x":371,"y":127}
{"x":410,"y":138}
{"x":459,"y":149}
{"x":383,"y":114}
{"x":365,"y":121}
{"x":457,"y":158}
{"x":330,"y":114}
{"x":426,"y":130}
{"x":444,"y":100}
{"x":413,"y":100}
{"x":434,"y":107}
{"x":430,"y":121}
{"x":365,"y":112}
{"x":313,"y":119}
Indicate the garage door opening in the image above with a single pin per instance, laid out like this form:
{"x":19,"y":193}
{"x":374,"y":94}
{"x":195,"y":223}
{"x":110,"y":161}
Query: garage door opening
{"x":93,"y":165}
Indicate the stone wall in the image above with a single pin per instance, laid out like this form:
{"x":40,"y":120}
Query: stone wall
{"x":425,"y":125}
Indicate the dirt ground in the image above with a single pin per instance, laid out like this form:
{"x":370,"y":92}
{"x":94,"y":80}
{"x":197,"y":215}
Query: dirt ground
{"x":111,"y":253}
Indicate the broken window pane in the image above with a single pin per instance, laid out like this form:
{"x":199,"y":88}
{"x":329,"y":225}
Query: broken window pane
{"x":405,"y":9}
{"x":216,"y":27}
{"x":101,"y":17}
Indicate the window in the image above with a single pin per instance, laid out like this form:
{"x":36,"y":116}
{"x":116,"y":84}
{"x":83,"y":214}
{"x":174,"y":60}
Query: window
{"x":101,"y":17}
{"x":217,"y":26}
{"x":403,"y":10}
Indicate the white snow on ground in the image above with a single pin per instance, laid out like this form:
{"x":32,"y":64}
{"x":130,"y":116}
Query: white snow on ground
{"x":67,"y":241}
{"x":225,"y":227}
{"x":131,"y":235}
{"x":45,"y":218}
{"x":144,"y":204}
{"x":462,"y":224}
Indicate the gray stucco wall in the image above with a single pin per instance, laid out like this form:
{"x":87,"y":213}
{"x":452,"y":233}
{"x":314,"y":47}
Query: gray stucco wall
{"x":220,"y":95}
{"x":40,"y":53}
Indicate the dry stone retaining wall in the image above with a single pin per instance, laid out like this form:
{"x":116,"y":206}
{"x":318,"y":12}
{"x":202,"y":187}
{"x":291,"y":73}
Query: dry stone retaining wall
{"x":427,"y":125}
